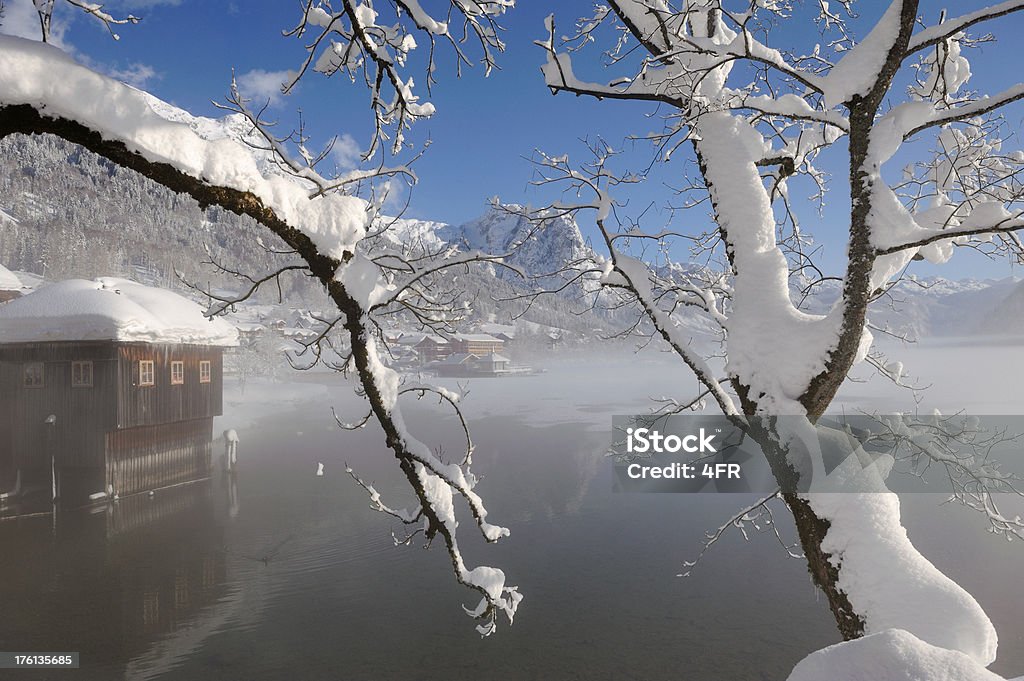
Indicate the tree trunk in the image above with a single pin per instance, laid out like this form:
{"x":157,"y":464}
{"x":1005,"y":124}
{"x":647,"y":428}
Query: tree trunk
{"x":810,"y":527}
{"x":812,"y":531}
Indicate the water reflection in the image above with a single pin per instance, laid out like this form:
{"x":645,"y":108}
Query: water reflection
{"x":276,"y":573}
{"x":107,"y":583}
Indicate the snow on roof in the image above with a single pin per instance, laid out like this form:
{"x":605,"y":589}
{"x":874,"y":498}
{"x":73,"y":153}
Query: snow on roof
{"x":406,"y":339}
{"x":458,"y":358}
{"x":110,"y":309}
{"x":495,"y":357}
{"x":436,"y":340}
{"x":478,"y":337}
{"x":8,"y":280}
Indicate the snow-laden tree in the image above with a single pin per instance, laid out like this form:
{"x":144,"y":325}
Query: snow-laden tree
{"x":751,"y":119}
{"x":331,"y":226}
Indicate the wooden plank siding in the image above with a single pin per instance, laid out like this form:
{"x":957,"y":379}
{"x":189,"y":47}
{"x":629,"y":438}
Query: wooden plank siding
{"x":96,"y":427}
{"x":150,"y":457}
{"x":162,"y":402}
{"x":82,"y":416}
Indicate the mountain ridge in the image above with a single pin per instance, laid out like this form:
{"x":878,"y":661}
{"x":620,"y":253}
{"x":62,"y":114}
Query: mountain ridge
{"x":65,"y":212}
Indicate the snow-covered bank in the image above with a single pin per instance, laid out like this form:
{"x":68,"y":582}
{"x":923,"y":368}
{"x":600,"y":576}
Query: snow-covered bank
{"x":889,"y":655}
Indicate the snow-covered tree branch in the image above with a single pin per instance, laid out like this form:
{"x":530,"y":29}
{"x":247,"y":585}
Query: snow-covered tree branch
{"x":334,"y":232}
{"x":372,"y":44}
{"x":754,"y":120}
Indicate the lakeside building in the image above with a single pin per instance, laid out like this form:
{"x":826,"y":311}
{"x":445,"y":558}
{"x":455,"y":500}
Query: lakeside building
{"x":468,"y":364}
{"x":107,"y":386}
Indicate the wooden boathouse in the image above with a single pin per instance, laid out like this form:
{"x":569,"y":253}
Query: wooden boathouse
{"x":107,"y":386}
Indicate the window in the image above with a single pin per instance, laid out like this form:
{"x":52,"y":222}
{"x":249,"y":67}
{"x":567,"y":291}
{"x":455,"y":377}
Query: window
{"x":146,"y":373}
{"x":177,"y":373}
{"x":81,"y":374}
{"x":204,"y":371}
{"x":34,"y":375}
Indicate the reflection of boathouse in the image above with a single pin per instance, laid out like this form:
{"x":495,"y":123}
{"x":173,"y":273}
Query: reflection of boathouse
{"x":113,"y":582}
{"x":107,"y":385}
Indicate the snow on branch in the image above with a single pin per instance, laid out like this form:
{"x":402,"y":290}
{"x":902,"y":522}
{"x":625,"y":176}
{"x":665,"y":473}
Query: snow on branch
{"x":45,"y":10}
{"x":622,"y":271}
{"x":42,"y":90}
{"x":934,"y":35}
{"x":974,"y":109}
{"x":277,"y":149}
{"x":754,"y":117}
{"x":685,"y":68}
{"x":964,"y":450}
{"x":374,"y":47}
{"x":758,"y":517}
{"x":47,"y":81}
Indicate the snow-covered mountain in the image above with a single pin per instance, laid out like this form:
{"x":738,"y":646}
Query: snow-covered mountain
{"x":1006,"y":317}
{"x":65,"y":212}
{"x":934,"y":306}
{"x":539,"y":252}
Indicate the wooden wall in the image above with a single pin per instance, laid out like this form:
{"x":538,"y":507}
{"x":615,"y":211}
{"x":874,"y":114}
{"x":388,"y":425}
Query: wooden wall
{"x":82,"y":415}
{"x":164,"y":420}
{"x":149,"y":457}
{"x":162,"y":402}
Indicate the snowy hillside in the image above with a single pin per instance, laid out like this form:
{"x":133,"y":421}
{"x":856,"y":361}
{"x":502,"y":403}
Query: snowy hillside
{"x":941,"y":307}
{"x":65,"y":212}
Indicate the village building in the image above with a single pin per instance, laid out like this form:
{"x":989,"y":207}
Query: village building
{"x":458,"y":364}
{"x":107,"y":386}
{"x":433,"y":349}
{"x":493,"y":364}
{"x":467,"y":365}
{"x":506,"y":333}
{"x":478,"y":344}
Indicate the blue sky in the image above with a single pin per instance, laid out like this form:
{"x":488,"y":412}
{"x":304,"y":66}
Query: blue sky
{"x":184,"y":52}
{"x":483,"y":128}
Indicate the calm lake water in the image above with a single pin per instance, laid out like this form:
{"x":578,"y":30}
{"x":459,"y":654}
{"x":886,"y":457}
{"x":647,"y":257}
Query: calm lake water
{"x":176,"y":586}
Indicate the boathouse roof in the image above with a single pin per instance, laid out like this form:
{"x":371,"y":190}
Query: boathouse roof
{"x":110,"y":309}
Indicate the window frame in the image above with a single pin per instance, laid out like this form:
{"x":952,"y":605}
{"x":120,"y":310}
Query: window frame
{"x":152,"y":373}
{"x":81,"y":364}
{"x":25,"y":374}
{"x":205,"y":371}
{"x":177,"y":377}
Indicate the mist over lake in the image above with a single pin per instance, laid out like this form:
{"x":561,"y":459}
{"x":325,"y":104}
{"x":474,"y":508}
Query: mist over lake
{"x":252,"y":576}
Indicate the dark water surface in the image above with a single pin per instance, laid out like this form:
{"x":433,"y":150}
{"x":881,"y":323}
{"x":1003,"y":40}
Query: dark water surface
{"x":283,"y":575}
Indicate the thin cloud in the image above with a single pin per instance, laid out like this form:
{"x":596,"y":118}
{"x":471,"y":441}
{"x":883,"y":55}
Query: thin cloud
{"x":346,"y":153}
{"x":262,"y":86}
{"x":138,"y":74}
